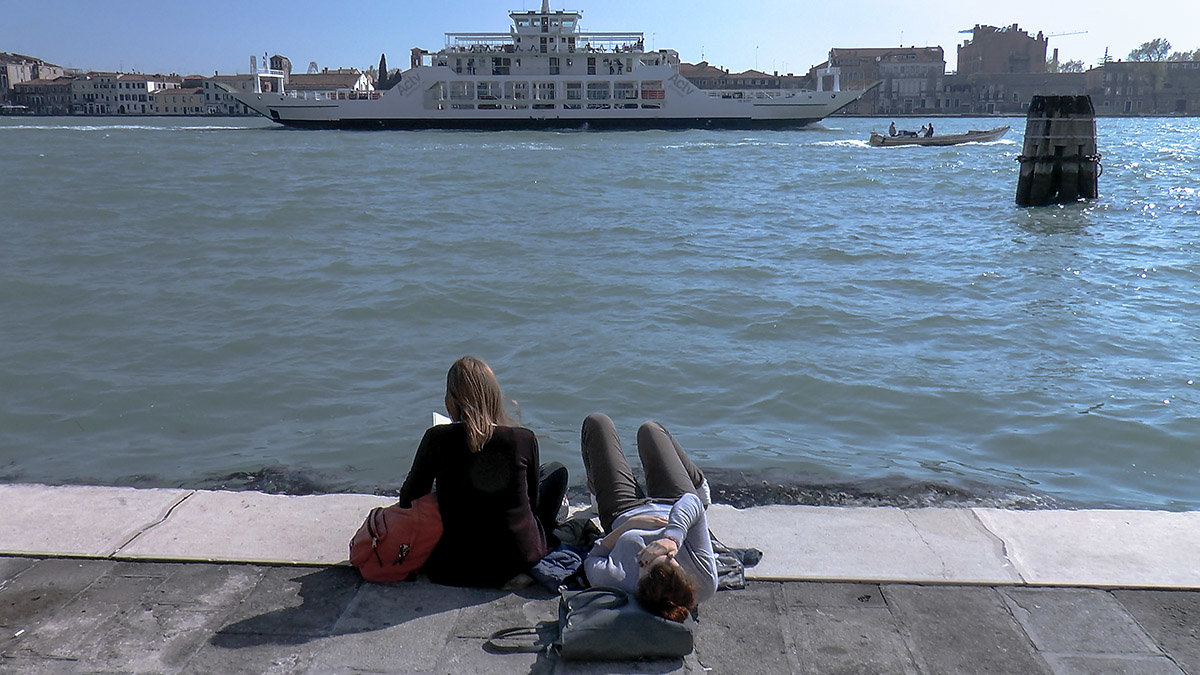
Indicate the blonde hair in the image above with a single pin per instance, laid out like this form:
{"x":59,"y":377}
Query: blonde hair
{"x":473,"y":397}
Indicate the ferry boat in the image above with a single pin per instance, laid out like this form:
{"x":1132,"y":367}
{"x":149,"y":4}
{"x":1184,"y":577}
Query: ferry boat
{"x":544,"y":73}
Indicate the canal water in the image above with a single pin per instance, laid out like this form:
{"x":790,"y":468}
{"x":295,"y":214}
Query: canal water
{"x":221,"y":303}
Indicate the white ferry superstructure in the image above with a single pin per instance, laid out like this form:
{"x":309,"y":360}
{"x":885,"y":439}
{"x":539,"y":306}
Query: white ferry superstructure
{"x":543,"y":74}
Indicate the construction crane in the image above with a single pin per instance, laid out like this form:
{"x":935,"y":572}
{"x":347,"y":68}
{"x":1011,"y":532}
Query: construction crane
{"x":1074,"y":32}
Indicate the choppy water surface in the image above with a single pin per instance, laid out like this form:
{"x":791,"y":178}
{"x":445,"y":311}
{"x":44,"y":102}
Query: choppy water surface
{"x":222,"y":303}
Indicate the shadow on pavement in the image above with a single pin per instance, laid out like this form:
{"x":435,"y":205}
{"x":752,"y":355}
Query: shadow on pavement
{"x":335,"y":601}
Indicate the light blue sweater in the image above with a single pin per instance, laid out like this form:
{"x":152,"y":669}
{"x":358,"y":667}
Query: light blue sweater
{"x":686,"y":523}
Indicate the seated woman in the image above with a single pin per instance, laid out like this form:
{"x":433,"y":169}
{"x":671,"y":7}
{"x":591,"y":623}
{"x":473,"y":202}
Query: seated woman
{"x":657,"y":547}
{"x":498,"y":506}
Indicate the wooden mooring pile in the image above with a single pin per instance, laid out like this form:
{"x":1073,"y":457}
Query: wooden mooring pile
{"x":1059,"y":162}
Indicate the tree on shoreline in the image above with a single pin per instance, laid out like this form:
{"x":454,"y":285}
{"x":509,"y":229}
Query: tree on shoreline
{"x":1154,"y":50}
{"x":1072,"y":66}
{"x":382,"y":82}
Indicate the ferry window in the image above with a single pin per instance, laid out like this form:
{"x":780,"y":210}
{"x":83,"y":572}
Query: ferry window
{"x":574,"y":91}
{"x":545,"y":91}
{"x":625,"y":90}
{"x":554,"y":68}
{"x":591,"y":65}
{"x":516,"y":90}
{"x":597,"y":91}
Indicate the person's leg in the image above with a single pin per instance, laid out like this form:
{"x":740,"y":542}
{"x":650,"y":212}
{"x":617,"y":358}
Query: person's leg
{"x":552,"y":487}
{"x":669,"y":471}
{"x":609,"y":476}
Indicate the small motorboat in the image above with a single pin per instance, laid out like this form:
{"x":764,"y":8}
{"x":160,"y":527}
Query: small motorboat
{"x":972,"y":136}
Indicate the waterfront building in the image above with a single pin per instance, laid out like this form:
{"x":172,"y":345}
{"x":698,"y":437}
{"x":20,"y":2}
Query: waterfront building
{"x":218,"y":99}
{"x":179,"y":101}
{"x":94,"y":93}
{"x":338,"y":83}
{"x":707,"y":76}
{"x":994,"y":50}
{"x":18,"y":68}
{"x":134,"y":92}
{"x":44,"y":96}
{"x":909,"y":78}
{"x":1145,"y":88}
{"x":1005,"y":93}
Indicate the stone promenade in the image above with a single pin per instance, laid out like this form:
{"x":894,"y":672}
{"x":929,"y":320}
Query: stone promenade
{"x":179,"y":581}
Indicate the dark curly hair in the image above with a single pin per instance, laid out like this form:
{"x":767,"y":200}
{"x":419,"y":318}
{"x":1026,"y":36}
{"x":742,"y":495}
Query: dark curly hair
{"x":667,"y":591}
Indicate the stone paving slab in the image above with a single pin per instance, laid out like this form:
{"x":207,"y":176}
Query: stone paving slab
{"x":252,"y":526}
{"x":89,"y":615}
{"x":868,"y":544}
{"x":1171,"y":618}
{"x":77,"y":520}
{"x":962,"y":630}
{"x":1099,"y":547}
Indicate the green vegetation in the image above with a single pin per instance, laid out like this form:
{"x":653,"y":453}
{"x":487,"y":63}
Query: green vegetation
{"x":1072,"y":66}
{"x":1154,"y":50}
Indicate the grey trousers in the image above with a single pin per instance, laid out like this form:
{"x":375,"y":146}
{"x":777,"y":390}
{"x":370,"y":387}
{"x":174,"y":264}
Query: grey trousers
{"x":670,"y":473}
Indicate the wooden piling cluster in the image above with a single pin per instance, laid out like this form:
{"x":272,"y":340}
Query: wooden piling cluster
{"x":1059,"y":162}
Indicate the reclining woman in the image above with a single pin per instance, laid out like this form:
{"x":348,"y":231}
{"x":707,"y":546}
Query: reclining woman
{"x":657,"y":547}
{"x":498,"y":505}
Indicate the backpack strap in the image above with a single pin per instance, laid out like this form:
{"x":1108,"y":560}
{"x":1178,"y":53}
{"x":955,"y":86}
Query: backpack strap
{"x":522,"y":640}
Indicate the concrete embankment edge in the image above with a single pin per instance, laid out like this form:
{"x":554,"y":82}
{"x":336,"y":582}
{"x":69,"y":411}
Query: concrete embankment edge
{"x":1094,"y":548}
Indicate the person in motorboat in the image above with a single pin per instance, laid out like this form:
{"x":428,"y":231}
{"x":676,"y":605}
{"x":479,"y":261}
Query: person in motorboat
{"x":929,"y":130}
{"x":892,"y":128}
{"x":498,"y":506}
{"x":657,"y":546}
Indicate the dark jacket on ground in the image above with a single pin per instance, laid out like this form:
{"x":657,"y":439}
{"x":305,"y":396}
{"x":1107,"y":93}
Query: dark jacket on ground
{"x":486,"y":500}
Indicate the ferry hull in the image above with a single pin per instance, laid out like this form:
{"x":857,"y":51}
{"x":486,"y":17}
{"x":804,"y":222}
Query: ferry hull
{"x":394,"y":110}
{"x":584,"y":124}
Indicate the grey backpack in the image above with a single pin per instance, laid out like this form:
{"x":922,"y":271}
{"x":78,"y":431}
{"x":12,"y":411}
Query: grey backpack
{"x":602,"y":624}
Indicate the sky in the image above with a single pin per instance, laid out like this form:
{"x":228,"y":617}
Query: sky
{"x":190,"y":37}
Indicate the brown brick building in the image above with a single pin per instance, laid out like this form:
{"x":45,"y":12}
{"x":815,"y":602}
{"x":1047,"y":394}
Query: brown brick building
{"x":1001,"y":50}
{"x":44,"y":96}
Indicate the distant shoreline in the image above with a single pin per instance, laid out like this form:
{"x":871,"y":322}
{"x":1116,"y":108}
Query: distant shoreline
{"x":920,"y":116}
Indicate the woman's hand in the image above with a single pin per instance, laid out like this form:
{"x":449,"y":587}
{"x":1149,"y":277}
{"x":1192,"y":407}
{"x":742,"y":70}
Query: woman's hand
{"x":659,"y":548}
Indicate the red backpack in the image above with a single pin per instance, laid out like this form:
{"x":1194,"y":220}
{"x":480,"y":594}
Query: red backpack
{"x":394,"y":542}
